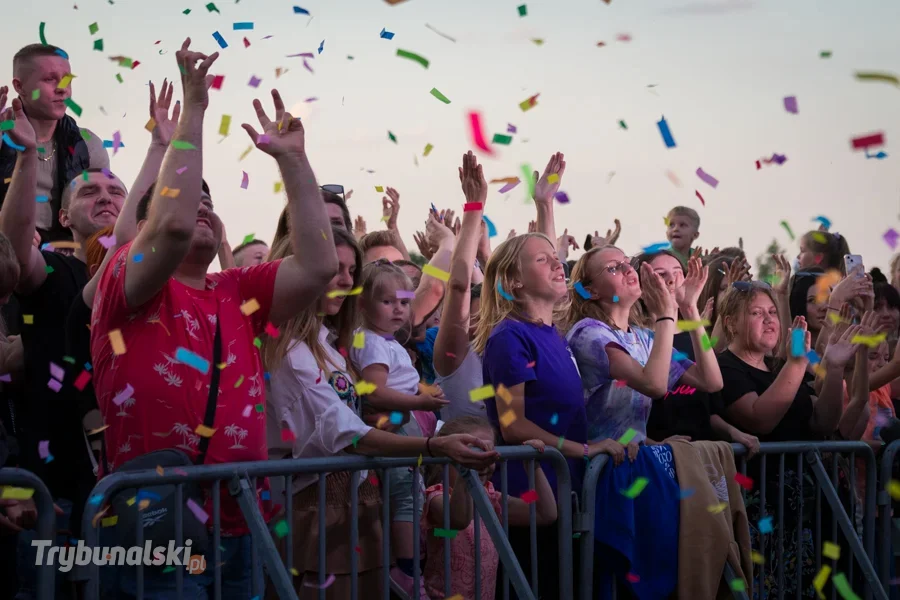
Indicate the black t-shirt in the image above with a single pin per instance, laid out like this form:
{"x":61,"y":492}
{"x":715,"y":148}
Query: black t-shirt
{"x":739,"y":379}
{"x":685,"y":410}
{"x":45,"y":414}
{"x":78,"y":346}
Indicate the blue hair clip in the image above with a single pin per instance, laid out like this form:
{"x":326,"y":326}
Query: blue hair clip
{"x":504,"y":294}
{"x":581,"y":291}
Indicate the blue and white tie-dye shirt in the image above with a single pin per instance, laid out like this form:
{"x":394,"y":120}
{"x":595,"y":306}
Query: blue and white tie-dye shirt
{"x":613,"y":409}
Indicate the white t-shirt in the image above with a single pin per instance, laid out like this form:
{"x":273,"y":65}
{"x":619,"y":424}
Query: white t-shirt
{"x":402,"y":375}
{"x":320,"y":408}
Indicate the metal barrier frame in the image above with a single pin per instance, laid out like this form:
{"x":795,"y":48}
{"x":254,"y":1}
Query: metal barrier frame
{"x":811,"y":451}
{"x":46,"y":522}
{"x":241,"y":480}
{"x":886,"y":556}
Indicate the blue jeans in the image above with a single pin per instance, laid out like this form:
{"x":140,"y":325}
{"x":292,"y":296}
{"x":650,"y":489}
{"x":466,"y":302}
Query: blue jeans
{"x":27,"y":557}
{"x":236,"y":569}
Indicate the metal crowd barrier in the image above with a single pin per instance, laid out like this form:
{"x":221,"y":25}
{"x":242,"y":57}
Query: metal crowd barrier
{"x":811,"y":453}
{"x":240,"y":478}
{"x":885,"y":525}
{"x":46,"y":523}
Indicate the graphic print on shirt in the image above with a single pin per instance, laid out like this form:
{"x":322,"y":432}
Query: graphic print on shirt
{"x":718,"y":483}
{"x":238,"y":433}
{"x":163,"y":369}
{"x":189,"y":440}
{"x":345,"y":390}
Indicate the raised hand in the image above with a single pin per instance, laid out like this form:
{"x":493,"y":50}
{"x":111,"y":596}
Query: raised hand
{"x":563,"y":243}
{"x":782,"y":274}
{"x":799,"y":324}
{"x":738,"y":271}
{"x":532,"y":226}
{"x":840,"y":349}
{"x":544,"y":190}
{"x":195,"y":79}
{"x":611,"y":237}
{"x":687,"y":295}
{"x":164,"y":128}
{"x":511,"y":234}
{"x":424,"y":249}
{"x":436,"y":232}
{"x":471,"y":177}
{"x":282,"y":137}
{"x":390,"y":207}
{"x":22,"y":133}
{"x":4,"y":92}
{"x":359,"y":227}
{"x":656,"y":296}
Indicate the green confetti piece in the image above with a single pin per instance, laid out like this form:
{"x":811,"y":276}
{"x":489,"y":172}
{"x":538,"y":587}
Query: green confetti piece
{"x":35,"y":94}
{"x":126,"y":62}
{"x":355,"y":440}
{"x":73,"y":106}
{"x":528,"y":177}
{"x":627,"y":436}
{"x":257,"y":342}
{"x":211,"y":7}
{"x":501,"y":139}
{"x":843,"y":587}
{"x":41,"y":33}
{"x":705,"y":342}
{"x":281,"y":528}
{"x":248,"y":238}
{"x":576,"y":535}
{"x":788,"y":229}
{"x":560,"y":442}
{"x":825,"y":54}
{"x":445,"y":533}
{"x":523,"y":10}
{"x":7,"y":125}
{"x":440,"y":96}
{"x":41,"y":149}
{"x":98,"y":45}
{"x":636,"y":488}
{"x":168,"y":569}
{"x":738,"y":585}
{"x":413,"y":56}
{"x":623,"y":125}
{"x":93,"y":28}
{"x":186,"y":11}
{"x":392,"y":137}
{"x":48,"y":269}
{"x":260,"y":408}
{"x":183,"y":145}
{"x":85,"y":134}
{"x":119,"y":78}
{"x":69,"y":359}
{"x":85,"y":175}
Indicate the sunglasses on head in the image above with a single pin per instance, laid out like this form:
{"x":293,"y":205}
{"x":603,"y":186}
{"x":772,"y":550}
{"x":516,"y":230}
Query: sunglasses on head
{"x":746,"y":286}
{"x":334,"y":188}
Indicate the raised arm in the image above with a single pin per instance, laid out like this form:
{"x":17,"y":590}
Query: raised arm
{"x":17,"y":217}
{"x":390,"y":205}
{"x":301,"y":277}
{"x":782,"y":289}
{"x":431,"y":289}
{"x":452,"y":343}
{"x":829,"y":404}
{"x":544,"y":193}
{"x":166,"y":238}
{"x":705,"y":374}
{"x":855,"y":419}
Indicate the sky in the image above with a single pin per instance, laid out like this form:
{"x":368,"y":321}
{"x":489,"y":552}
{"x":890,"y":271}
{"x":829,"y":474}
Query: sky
{"x":718,"y":70}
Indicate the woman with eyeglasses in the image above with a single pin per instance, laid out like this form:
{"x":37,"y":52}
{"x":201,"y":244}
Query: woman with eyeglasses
{"x":626,"y":359}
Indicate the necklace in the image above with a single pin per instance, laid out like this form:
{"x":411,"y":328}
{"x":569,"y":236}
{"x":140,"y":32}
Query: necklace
{"x":49,"y":156}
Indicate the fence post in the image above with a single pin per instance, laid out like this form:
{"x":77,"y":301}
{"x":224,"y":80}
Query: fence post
{"x":46,"y":523}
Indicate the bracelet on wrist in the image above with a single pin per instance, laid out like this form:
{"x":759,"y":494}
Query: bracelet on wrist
{"x":585,"y":450}
{"x":665,"y":319}
{"x":428,"y":447}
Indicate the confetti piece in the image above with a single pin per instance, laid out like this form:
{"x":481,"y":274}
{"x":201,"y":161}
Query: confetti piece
{"x":436,"y":273}
{"x":665,"y":133}
{"x":218,"y":80}
{"x":866,"y":141}
{"x":281,"y":528}
{"x":554,"y":419}
{"x":278,"y":186}
{"x":743,"y":481}
{"x":65,"y":81}
{"x":225,"y":125}
{"x":218,"y":37}
{"x":636,"y":488}
{"x":328,"y":581}
{"x":204,"y":431}
{"x":831,"y":550}
{"x":523,"y":10}
{"x":579,"y":287}
{"x":528,"y":103}
{"x":874,"y":76}
{"x":717,"y":508}
{"x":491,"y":228}
{"x":406,"y":294}
{"x":16,"y":493}
{"x":890,"y":237}
{"x":702,"y":201}
{"x":821,"y":579}
{"x":504,"y":140}
{"x":41,"y":33}
{"x":124,"y":395}
{"x":503,"y":294}
{"x":765,"y":525}
{"x":396,"y":418}
{"x":364,"y":387}
{"x":529,"y":497}
{"x":197,"y":510}
{"x":183,"y":145}
{"x":825,"y":221}
{"x":381,"y":420}
{"x":42,"y":199}
{"x":477,"y":132}
{"x":654,"y":248}
{"x":259,"y":408}
{"x":300,"y":11}
{"x":788,"y":229}
{"x":528,"y":177}
{"x":561,"y":197}
{"x":185,"y":356}
{"x":29,"y":319}
{"x":243,"y":26}
{"x":839,"y":581}
{"x":392,"y":137}
{"x":254,"y":81}
{"x":440,"y":96}
{"x":445,"y":533}
{"x":825,"y":54}
{"x":798,"y":342}
{"x":707,"y":178}
{"x":507,"y":418}
{"x":336,"y":293}
{"x":170,"y":193}
{"x":287,"y":435}
{"x":413,"y":56}
{"x":44,"y":448}
{"x":82,"y":380}
{"x":504,"y":394}
{"x":738,"y":585}
{"x":118,"y":343}
{"x":249,"y":307}
{"x":509,"y":186}
{"x":708,"y":343}
{"x":359,"y":340}
{"x":623,"y":125}
{"x":8,"y":141}
{"x":109,"y":521}
{"x":757,"y":558}
{"x":872,"y":341}
{"x":627,"y":436}
{"x":98,"y":46}
{"x":386,"y":35}
{"x":481,"y":393}
{"x":790,"y":104}
{"x":7,"y":125}
{"x":686,"y":493}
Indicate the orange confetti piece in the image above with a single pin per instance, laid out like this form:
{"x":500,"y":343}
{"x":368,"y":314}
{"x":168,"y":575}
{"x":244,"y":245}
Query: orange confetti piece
{"x":249,"y":307}
{"x":507,"y":418}
{"x":117,"y":342}
{"x":204,"y":431}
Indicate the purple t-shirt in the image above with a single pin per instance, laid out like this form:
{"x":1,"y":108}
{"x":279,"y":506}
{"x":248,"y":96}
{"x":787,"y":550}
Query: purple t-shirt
{"x":538,"y":356}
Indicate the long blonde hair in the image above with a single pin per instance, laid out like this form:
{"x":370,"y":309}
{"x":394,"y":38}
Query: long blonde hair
{"x":502,"y":267}
{"x":304,"y":328}
{"x":590,"y":308}
{"x":895,"y":260}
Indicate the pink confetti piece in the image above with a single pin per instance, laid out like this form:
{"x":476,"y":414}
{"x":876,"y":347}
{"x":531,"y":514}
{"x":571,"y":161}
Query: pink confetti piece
{"x":6,"y":378}
{"x":632,"y":578}
{"x":54,"y":385}
{"x":245,"y":180}
{"x":123,"y":395}
{"x":712,"y":181}
{"x":401,"y":294}
{"x":313,"y":99}
{"x":790,"y":104}
{"x":478,"y":132}
{"x":508,"y":187}
{"x":117,"y":142}
{"x":247,"y":410}
{"x":57,"y":372}
{"x":197,"y":510}
{"x":82,"y":380}
{"x":181,"y":170}
{"x":301,"y":55}
{"x":327,"y":583}
{"x":308,"y":68}
{"x":272,"y":331}
{"x":623,"y":37}
{"x":44,"y":448}
{"x":217,"y":82}
{"x":107,"y":241}
{"x":529,"y":497}
{"x":254,"y":81}
{"x":263,"y":139}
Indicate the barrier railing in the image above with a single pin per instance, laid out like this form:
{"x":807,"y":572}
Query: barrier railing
{"x":240,"y":478}
{"x":885,"y":525}
{"x":862,"y":551}
{"x":46,"y":523}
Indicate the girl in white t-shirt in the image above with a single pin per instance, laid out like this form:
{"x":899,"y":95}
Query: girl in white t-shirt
{"x":385,"y":363}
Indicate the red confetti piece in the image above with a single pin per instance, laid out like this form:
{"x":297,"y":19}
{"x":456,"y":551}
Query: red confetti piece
{"x":358,"y":549}
{"x":372,"y":479}
{"x":529,"y":497}
{"x":478,"y":132}
{"x":451,"y":355}
{"x":246,"y":43}
{"x":865,"y":141}
{"x":621,"y":384}
{"x":287,"y":435}
{"x":320,"y":376}
{"x":758,"y":166}
{"x":470,"y":206}
{"x":632,"y":578}
{"x":217,"y":82}
{"x":743,"y":481}
{"x":343,"y":352}
{"x":135,"y":64}
{"x":531,"y":365}
{"x":82,"y":380}
{"x":702,"y":201}
{"x":271,"y":330}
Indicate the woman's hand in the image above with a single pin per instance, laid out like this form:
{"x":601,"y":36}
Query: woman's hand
{"x":632,"y":450}
{"x":848,"y":288}
{"x":436,"y":232}
{"x":598,"y":241}
{"x":359,"y":228}
{"x":164,"y":128}
{"x":614,"y":449}
{"x":471,"y":177}
{"x":707,"y":313}
{"x":782,"y":275}
{"x":750,"y":442}
{"x":840,"y":349}
{"x":563,"y":243}
{"x":738,"y":271}
{"x":687,"y":295}
{"x":424,"y":249}
{"x":799,"y":324}
{"x":657,"y":299}
{"x":465,"y":449}
{"x":536,"y":444}
{"x":390,"y":207}
{"x":544,"y":189}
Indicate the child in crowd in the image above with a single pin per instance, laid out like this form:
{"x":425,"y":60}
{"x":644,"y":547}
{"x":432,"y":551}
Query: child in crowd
{"x":384,"y":362}
{"x":462,"y":547}
{"x":683,"y":227}
{"x":824,"y":250}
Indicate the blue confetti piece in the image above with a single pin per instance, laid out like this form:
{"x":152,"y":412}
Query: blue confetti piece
{"x":654,"y":248}
{"x":825,"y":221}
{"x":386,"y":35}
{"x":666,"y":134}
{"x":266,"y":495}
{"x":42,"y":199}
{"x":87,"y":366}
{"x":504,"y":294}
{"x":581,"y":291}
{"x":245,"y":26}
{"x":396,"y":417}
{"x":147,"y":495}
{"x":49,"y":458}
{"x":8,"y":141}
{"x":765,"y":525}
{"x":185,"y":356}
{"x":95,"y":499}
{"x":266,"y":375}
{"x":679,"y":356}
{"x":686,"y":493}
{"x":813,"y":357}
{"x":321,"y":46}
{"x":554,"y":419}
{"x":616,"y":299}
{"x":300,"y":11}
{"x":491,"y":228}
{"x":46,"y":246}
{"x":110,"y":144}
{"x":62,"y":53}
{"x":218,"y":37}
{"x":138,"y":257}
{"x":798,"y":342}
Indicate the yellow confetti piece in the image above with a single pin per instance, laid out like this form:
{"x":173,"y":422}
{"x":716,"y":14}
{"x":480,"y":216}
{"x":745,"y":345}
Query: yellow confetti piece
{"x":481,"y":393}
{"x":381,"y":421}
{"x":691,"y":325}
{"x":335,"y":293}
{"x":222,"y":365}
{"x":835,"y":317}
{"x":65,"y":81}
{"x":159,"y":470}
{"x":504,"y":394}
{"x":204,"y":431}
{"x":666,"y":221}
{"x":364,"y":387}
{"x":65,"y":244}
{"x":717,"y":508}
{"x":872,"y":341}
{"x":819,"y":237}
{"x":109,"y":521}
{"x":420,"y":461}
{"x":379,"y":189}
{"x":436,"y":273}
{"x":117,"y":342}
{"x":249,"y":307}
{"x":225,"y":125}
{"x":893,"y":489}
{"x":552,"y":178}
{"x":245,"y":153}
{"x":151,"y":125}
{"x":143,"y":504}
{"x":821,"y":579}
{"x":456,"y":597}
{"x":757,"y":558}
{"x":359,"y":340}
{"x":98,"y":430}
{"x":16,"y":493}
{"x":28,"y":319}
{"x":170,"y":193}
{"x":294,"y":572}
{"x":278,"y":186}
{"x":131,"y":501}
{"x":824,"y":283}
{"x":507,"y":418}
{"x":428,"y":149}
{"x":830,"y":550}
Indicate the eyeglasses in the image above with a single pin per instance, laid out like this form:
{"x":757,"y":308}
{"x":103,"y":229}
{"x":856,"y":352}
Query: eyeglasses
{"x":334,"y":188}
{"x":746,"y":286}
{"x":622,"y":266}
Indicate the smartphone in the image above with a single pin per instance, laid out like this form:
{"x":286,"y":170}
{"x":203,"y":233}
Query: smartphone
{"x":854,"y":261}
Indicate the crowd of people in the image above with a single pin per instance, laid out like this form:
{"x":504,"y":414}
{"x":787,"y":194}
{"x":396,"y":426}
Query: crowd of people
{"x":119,"y":345}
